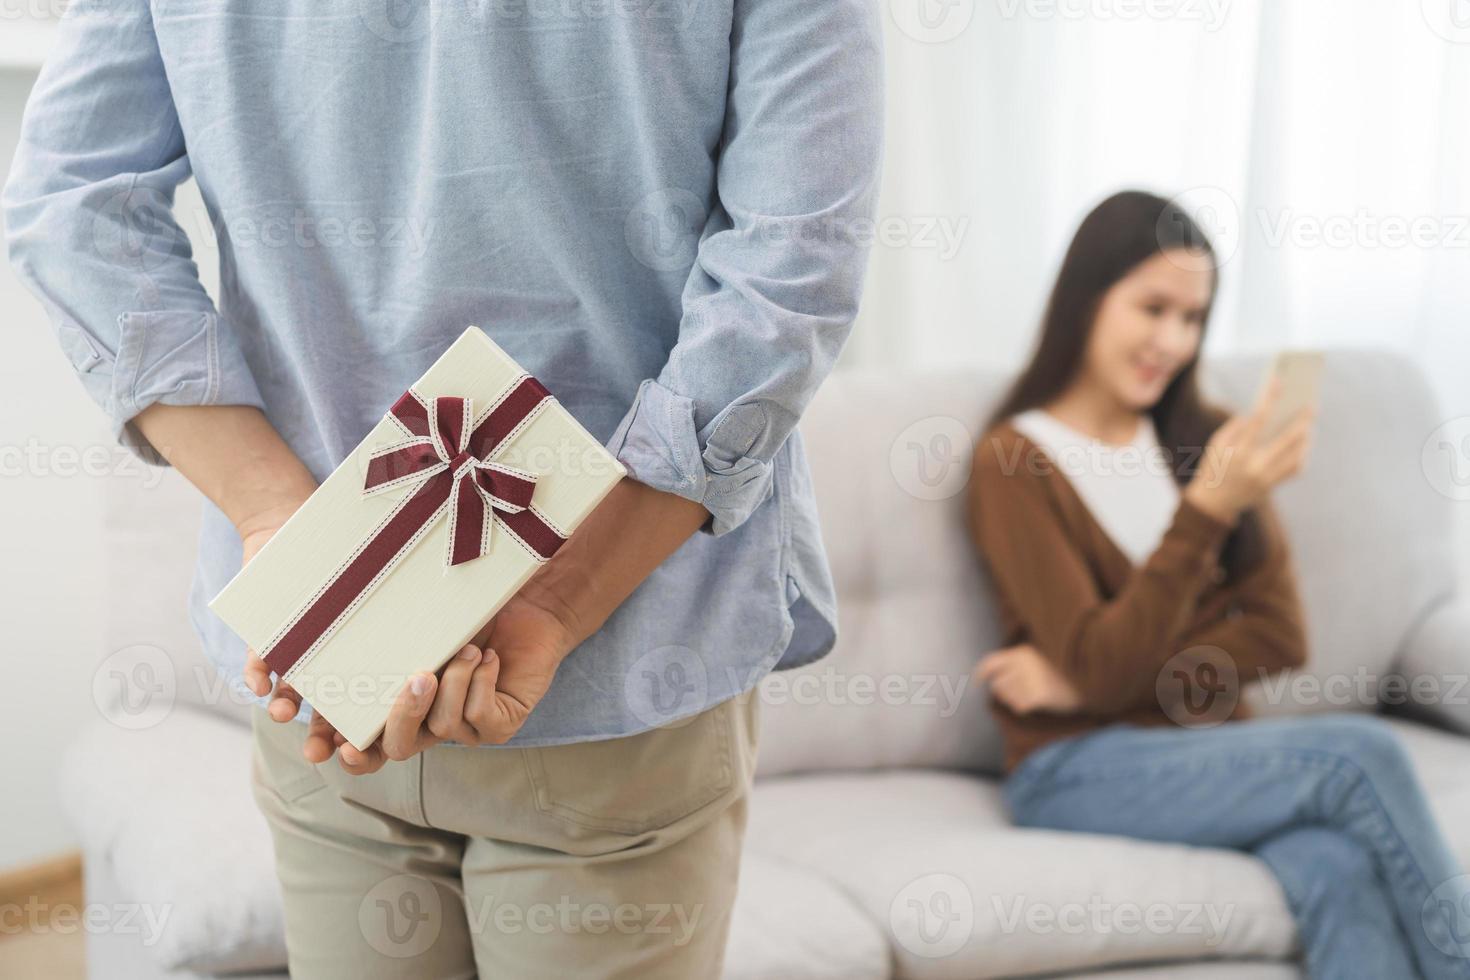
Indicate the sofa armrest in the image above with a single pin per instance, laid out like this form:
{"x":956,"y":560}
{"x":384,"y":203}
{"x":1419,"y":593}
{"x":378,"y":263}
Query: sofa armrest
{"x":166,"y":821}
{"x":1434,"y":668}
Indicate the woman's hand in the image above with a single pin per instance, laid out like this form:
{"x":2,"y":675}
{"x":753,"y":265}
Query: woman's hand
{"x":1026,"y":682}
{"x":1240,"y":467}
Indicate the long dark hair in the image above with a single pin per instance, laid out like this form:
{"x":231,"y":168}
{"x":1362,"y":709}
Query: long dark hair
{"x":1120,"y":234}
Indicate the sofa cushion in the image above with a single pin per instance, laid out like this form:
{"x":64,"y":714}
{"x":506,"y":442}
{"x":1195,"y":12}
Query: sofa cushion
{"x":895,"y":693}
{"x":790,"y":923}
{"x":1439,"y":759}
{"x":1435,"y":665}
{"x":151,"y":529}
{"x":890,"y":458}
{"x":960,"y":893}
{"x":168,"y":807}
{"x":1202,"y":970}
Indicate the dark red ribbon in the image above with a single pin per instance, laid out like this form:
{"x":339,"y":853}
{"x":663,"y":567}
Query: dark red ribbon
{"x":451,"y":467}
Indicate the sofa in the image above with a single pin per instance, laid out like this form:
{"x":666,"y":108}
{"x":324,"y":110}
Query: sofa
{"x":878,"y":845}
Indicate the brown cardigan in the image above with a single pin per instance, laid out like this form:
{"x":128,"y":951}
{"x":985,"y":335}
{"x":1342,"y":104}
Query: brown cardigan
{"x":1066,"y":588}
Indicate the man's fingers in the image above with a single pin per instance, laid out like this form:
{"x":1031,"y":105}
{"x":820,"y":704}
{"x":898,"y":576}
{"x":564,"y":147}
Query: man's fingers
{"x":285,"y":702}
{"x":361,"y":763}
{"x":482,"y":638}
{"x":257,"y":674}
{"x":495,"y":714}
{"x":446,"y":717}
{"x":321,"y":740}
{"x":403,"y":733}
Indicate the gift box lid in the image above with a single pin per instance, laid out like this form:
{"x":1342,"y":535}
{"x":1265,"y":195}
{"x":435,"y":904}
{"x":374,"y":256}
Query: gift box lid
{"x":466,"y":486}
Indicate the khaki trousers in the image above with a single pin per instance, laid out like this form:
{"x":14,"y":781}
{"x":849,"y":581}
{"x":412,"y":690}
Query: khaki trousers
{"x":615,"y":858}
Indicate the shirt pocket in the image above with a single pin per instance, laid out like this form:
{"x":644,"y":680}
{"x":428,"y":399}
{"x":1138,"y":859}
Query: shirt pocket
{"x":637,"y":783}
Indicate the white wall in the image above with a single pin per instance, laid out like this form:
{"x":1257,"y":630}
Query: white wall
{"x":1279,"y":123}
{"x":50,"y":584}
{"x":56,"y":457}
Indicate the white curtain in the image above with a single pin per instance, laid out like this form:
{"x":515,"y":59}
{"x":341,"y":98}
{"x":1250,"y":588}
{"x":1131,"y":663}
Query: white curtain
{"x":1323,"y":142}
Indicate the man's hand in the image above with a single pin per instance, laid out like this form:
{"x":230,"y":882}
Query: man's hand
{"x":486,"y":693}
{"x":477,"y":698}
{"x":285,"y":703}
{"x":1023,"y":680}
{"x":486,"y":699}
{"x":238,"y":460}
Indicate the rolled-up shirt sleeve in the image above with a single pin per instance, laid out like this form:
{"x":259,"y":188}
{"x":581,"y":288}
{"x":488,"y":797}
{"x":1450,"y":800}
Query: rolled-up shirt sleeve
{"x":91,"y":230}
{"x":777,"y":277}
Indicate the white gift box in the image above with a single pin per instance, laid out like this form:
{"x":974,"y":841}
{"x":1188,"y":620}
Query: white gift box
{"x":467,"y":485}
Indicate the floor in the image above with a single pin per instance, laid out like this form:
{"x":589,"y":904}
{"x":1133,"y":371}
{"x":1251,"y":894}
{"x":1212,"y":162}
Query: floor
{"x":41,"y":935}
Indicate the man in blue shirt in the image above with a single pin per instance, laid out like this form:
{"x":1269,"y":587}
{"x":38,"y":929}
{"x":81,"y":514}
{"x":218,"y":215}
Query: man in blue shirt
{"x":661,"y":209}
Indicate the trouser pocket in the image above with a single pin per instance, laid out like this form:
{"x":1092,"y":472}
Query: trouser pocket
{"x":644,"y":782}
{"x":278,"y":765}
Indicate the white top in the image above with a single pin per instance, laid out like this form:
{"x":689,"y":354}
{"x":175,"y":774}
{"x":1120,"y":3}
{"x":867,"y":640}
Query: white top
{"x":1129,"y":490}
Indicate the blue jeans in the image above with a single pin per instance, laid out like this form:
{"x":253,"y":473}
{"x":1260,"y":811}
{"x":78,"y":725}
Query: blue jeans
{"x":1330,"y":804}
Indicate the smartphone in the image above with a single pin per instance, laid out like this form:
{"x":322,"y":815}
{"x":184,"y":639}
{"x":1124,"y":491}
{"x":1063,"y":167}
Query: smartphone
{"x":1300,"y":372}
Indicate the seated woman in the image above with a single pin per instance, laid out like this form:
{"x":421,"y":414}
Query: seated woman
{"x":1144,"y":578}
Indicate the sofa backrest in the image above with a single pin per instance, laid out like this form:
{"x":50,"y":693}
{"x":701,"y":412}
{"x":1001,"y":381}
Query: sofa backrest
{"x":890,"y":458}
{"x":890,"y":461}
{"x":151,"y":528}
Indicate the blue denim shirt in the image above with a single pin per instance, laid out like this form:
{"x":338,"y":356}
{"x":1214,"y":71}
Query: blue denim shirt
{"x":661,"y":208}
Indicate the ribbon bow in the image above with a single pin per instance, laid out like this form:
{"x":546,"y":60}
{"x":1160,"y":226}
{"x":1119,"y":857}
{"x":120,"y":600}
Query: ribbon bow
{"x":450,"y":456}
